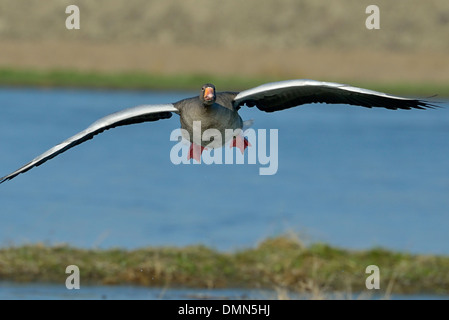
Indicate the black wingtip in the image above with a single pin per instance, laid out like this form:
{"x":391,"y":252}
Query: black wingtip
{"x":6,"y":178}
{"x":422,"y":104}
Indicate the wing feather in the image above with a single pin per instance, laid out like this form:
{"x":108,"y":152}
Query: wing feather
{"x":129,"y":116}
{"x":281,"y":95}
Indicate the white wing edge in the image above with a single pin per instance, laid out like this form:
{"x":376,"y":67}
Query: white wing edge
{"x":276,"y":86}
{"x":97,"y":125}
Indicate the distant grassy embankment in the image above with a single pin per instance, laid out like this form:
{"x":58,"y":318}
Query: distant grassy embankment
{"x":277,"y":263}
{"x":141,"y":44}
{"x":140,"y":80}
{"x":122,"y":80}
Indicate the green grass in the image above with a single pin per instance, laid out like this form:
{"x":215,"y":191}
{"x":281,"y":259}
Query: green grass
{"x":277,"y":263}
{"x":137,"y":80}
{"x":125,"y":80}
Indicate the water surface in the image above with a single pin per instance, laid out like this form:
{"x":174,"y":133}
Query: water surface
{"x":350,"y":176}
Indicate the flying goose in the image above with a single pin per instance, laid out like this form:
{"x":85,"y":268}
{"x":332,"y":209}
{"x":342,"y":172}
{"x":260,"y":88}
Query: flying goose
{"x":219,"y":110}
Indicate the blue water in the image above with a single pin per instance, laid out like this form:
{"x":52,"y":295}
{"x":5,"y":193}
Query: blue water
{"x":45,"y":291}
{"x":350,"y":176}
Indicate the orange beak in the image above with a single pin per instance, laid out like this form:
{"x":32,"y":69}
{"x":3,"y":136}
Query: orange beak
{"x":209,"y":94}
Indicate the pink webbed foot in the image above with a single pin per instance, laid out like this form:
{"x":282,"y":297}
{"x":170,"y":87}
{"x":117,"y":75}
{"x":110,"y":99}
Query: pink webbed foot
{"x":240,"y":142}
{"x":195,"y":152}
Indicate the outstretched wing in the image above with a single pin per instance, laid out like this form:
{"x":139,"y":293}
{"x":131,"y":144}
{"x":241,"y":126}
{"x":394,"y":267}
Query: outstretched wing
{"x":286,"y":94}
{"x":133,"y":115}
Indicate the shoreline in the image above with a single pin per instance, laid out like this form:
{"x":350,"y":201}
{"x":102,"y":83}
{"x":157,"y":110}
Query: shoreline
{"x":133,"y":80}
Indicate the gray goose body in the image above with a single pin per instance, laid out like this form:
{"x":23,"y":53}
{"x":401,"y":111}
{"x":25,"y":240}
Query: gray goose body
{"x":220,"y":115}
{"x":220,"y":110}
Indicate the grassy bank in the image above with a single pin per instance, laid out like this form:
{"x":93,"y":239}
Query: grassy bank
{"x":276,"y":263}
{"x":136,"y":80}
{"x":126,"y":80}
